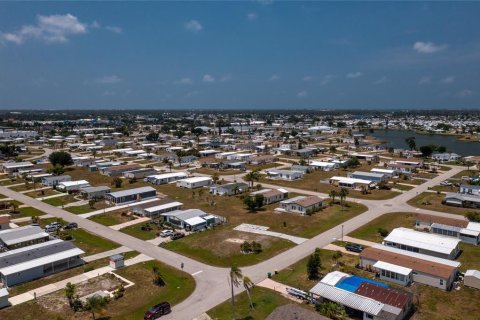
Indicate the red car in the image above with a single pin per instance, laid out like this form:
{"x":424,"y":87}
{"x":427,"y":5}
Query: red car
{"x":157,"y":311}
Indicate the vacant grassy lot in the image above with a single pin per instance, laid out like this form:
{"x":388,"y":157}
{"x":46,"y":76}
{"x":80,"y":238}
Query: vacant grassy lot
{"x":111,"y":218}
{"x":261,"y":166}
{"x":264,"y":301}
{"x":221,"y":247}
{"x":25,"y":212}
{"x":137,"y":232}
{"x":91,"y":243}
{"x":132,"y":305}
{"x":445,"y":188}
{"x":60,"y":201}
{"x":467,"y":173}
{"x":290,"y":223}
{"x":401,"y":187}
{"x":42,"y":193}
{"x":388,"y":221}
{"x":23,"y":187}
{"x":96,"y":179}
{"x":7,"y":181}
{"x":311,"y":181}
{"x":433,"y":201}
{"x":469,"y":257}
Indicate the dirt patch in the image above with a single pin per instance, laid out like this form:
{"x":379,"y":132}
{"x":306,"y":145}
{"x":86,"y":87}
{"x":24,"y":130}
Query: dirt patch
{"x":234,"y":240}
{"x":57,"y":302}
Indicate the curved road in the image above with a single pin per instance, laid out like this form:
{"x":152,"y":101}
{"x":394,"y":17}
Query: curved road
{"x":212,"y":282}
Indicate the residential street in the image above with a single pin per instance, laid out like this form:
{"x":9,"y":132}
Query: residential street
{"x":212,"y":282}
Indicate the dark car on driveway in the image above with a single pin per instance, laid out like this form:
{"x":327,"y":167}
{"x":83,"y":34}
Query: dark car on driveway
{"x":157,"y":311}
{"x":71,"y":225}
{"x":177,"y":235}
{"x":353,"y":247}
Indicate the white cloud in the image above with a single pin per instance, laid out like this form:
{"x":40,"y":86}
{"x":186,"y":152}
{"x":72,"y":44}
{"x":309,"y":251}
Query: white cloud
{"x":193,"y":26}
{"x":113,"y":79}
{"x":302,"y":94}
{"x":465,"y":93}
{"x":51,"y":29}
{"x":226,"y":78}
{"x":252,"y":16}
{"x":354,"y":75}
{"x":326,"y":79}
{"x":428,"y":47}
{"x":425,"y":80}
{"x":274,"y":77}
{"x":307,"y":78}
{"x":185,"y":80}
{"x":208,"y":78}
{"x":114,"y":29}
{"x":448,"y":80}
{"x":382,"y":80}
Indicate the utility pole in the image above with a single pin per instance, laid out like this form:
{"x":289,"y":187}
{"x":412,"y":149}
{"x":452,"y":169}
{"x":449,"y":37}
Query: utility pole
{"x":342,"y":232}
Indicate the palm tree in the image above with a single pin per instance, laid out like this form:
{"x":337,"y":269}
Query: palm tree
{"x":235,"y":278}
{"x":248,"y":285}
{"x":252,"y":176}
{"x":343,"y":195}
{"x":95,"y":303}
{"x":332,"y":195}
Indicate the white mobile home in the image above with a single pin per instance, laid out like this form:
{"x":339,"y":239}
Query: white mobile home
{"x":165,"y":178}
{"x":194,"y":182}
{"x":284,"y":174}
{"x":55,"y":180}
{"x":67,"y":186}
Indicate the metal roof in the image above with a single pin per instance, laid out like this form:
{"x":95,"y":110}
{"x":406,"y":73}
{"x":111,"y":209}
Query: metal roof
{"x":334,"y":277}
{"x":130,"y":192}
{"x":21,"y":234}
{"x":195,"y":179}
{"x":348,"y":299}
{"x":195,"y":221}
{"x":392,"y":267}
{"x":163,"y":206}
{"x":185,"y":214}
{"x":350,"y":180}
{"x":422,"y":240}
{"x":167,"y":175}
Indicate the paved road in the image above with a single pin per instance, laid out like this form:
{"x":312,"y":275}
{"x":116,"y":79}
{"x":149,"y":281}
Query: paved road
{"x":211,"y":282}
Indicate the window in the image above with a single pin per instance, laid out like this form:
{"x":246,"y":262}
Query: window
{"x":368,"y":316}
{"x":441,"y":282}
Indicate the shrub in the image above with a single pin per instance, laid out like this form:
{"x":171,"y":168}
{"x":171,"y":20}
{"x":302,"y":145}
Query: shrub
{"x":383,"y":232}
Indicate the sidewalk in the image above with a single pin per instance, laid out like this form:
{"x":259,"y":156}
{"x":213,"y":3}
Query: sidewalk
{"x":52,"y":196}
{"x":26,"y":219}
{"x":129,"y":223}
{"x":263,"y":230}
{"x":106,"y":254}
{"x":359,"y":241}
{"x":114,"y":208}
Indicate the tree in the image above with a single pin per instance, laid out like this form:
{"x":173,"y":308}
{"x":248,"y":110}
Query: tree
{"x":248,"y":285}
{"x":343,"y":195}
{"x":157,"y":277}
{"x":442,"y":149}
{"x":117,"y":182}
{"x":337,"y":255}
{"x":152,"y":136}
{"x":246,"y":247}
{"x":426,"y":151}
{"x":256,"y":247}
{"x":332,"y":149}
{"x":60,"y":157}
{"x":252,"y":176}
{"x":91,"y":203}
{"x":94,"y":304}
{"x":70,"y":293}
{"x":258,"y":198}
{"x":235,"y":278}
{"x":253,"y":203}
{"x":332,"y":195}
{"x":215,"y":177}
{"x":332,"y":310}
{"x":313,"y":264}
{"x":57,"y":169}
{"x":353,"y":162}
{"x":411,"y":142}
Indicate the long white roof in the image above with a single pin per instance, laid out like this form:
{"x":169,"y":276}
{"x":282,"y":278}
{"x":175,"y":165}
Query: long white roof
{"x":73,"y":183}
{"x":164,"y":206}
{"x":350,"y":180}
{"x":168,"y":175}
{"x":392,"y":267}
{"x":41,"y":261}
{"x":423,"y":240}
{"x":196,"y":179}
{"x":347,"y":298}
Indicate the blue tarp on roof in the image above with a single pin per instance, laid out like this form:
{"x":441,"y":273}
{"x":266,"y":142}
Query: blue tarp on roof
{"x":352,"y":283}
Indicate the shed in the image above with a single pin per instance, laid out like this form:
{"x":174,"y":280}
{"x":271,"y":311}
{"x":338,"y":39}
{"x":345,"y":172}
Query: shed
{"x":4,"y":298}
{"x":472,"y":279}
{"x":117,"y":261}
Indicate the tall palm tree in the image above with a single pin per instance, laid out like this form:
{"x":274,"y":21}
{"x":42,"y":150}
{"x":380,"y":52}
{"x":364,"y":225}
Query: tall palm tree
{"x":333,"y":194}
{"x":248,"y":285}
{"x":343,"y":195}
{"x":253,"y":175}
{"x":235,"y":278}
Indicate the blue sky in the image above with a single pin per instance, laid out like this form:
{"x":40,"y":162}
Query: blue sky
{"x":239,"y":55}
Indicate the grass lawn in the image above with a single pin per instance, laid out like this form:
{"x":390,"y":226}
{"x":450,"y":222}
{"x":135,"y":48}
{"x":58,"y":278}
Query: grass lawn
{"x":433,"y":201}
{"x":111,"y":218}
{"x":42,"y":193}
{"x":445,"y":188}
{"x":469,"y":257}
{"x":311,"y":181}
{"x":388,"y":221}
{"x":59,"y":201}
{"x":221,"y":247}
{"x":27,"y":212}
{"x":22,"y":187}
{"x":468,"y":173}
{"x":264,"y":301}
{"x":261,"y":166}
{"x":137,"y":232}
{"x":8,"y":182}
{"x":416,"y":182}
{"x":401,"y":187}
{"x":132,"y":305}
{"x":91,"y":243}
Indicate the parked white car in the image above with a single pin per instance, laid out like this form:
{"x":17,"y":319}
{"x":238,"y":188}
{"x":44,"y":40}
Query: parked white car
{"x":166,"y":233}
